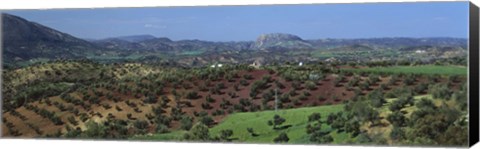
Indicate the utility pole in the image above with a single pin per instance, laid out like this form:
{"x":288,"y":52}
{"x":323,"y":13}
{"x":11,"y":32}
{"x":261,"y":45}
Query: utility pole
{"x":276,"y":101}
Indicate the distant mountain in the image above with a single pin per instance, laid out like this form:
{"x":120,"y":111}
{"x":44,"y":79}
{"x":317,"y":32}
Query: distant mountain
{"x":136,"y":38}
{"x":165,"y":44}
{"x":280,"y":40}
{"x":24,"y":40}
{"x":393,"y":43}
{"x":119,"y":44}
{"x":123,"y":42}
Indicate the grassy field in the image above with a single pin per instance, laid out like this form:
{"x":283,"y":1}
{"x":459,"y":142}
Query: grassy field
{"x":297,"y":118}
{"x":424,"y":69}
{"x":239,"y":122}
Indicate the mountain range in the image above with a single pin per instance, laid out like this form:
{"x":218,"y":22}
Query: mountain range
{"x":24,"y":40}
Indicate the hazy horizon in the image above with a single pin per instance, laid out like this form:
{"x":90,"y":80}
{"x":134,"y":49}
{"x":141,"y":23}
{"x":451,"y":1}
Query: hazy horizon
{"x":246,"y":23}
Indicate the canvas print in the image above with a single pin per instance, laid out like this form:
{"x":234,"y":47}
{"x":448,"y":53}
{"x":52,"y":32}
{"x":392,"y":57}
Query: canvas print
{"x":391,"y":74}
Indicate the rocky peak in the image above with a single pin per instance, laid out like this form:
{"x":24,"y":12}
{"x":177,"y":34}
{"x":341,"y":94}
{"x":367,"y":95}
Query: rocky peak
{"x":279,"y":40}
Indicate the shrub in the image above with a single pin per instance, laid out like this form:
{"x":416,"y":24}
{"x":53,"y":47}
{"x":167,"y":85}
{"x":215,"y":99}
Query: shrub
{"x":161,"y":128}
{"x":207,"y":120}
{"x":226,"y":134}
{"x":277,"y":120}
{"x":281,"y":138}
{"x":186,"y":123}
{"x":310,"y":85}
{"x":314,"y":117}
{"x":192,"y":95}
{"x":397,"y":133}
{"x":397,"y":119}
{"x":199,"y":132}
{"x":440,"y":91}
{"x":209,"y":99}
{"x":150,"y":99}
{"x":251,"y":131}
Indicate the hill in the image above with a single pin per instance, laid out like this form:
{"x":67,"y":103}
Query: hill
{"x":24,"y":40}
{"x":280,"y":40}
{"x":28,"y":42}
{"x":136,"y":38}
{"x":297,"y":119}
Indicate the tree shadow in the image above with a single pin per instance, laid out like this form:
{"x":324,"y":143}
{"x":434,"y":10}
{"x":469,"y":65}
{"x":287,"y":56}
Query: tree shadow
{"x":283,"y":127}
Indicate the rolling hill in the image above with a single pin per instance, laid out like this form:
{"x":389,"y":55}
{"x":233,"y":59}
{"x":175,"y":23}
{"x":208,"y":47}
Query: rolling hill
{"x":27,"y":42}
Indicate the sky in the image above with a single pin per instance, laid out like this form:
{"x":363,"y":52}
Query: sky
{"x":246,"y":23}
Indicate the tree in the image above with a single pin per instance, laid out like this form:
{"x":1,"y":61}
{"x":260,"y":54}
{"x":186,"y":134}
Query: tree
{"x":192,"y":95}
{"x":397,"y":105}
{"x":199,"y":132}
{"x":364,"y":86}
{"x":161,"y":128}
{"x":150,"y":99}
{"x":339,"y":123}
{"x":251,"y":131}
{"x":226,"y":134}
{"x":440,"y":91}
{"x":207,"y":120}
{"x":277,"y":120}
{"x":433,"y":124}
{"x":310,"y":85}
{"x":331,"y":117}
{"x":376,"y":98}
{"x":186,"y":122}
{"x":409,"y":80}
{"x":353,"y":127}
{"x":363,"y":138}
{"x":397,"y":119}
{"x":421,"y":88}
{"x":319,"y":137}
{"x":282,"y":137}
{"x":141,"y":126}
{"x":425,"y":103}
{"x":94,"y":130}
{"x":454,"y":136}
{"x":314,"y":117}
{"x":317,"y":134}
{"x":267,"y":96}
{"x":373,"y":116}
{"x":209,"y":99}
{"x":373,"y":78}
{"x":397,"y":133}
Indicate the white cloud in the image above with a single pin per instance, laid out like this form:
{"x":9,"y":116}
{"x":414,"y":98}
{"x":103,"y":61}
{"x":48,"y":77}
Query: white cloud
{"x":154,"y":26}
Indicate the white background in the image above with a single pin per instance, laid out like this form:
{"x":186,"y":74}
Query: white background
{"x":83,"y":144}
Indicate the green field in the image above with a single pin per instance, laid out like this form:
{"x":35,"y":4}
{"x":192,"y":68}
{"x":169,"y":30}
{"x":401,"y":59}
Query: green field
{"x":424,"y":69}
{"x":239,"y":122}
{"x":297,"y":119}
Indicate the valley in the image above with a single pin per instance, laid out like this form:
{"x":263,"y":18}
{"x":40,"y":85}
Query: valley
{"x":278,"y":88}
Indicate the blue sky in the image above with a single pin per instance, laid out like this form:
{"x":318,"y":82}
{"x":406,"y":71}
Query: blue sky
{"x":246,"y":23}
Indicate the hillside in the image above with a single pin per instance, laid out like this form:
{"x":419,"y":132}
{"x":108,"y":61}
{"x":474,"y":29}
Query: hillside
{"x":95,"y":91}
{"x":296,"y":118}
{"x":24,"y":40}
